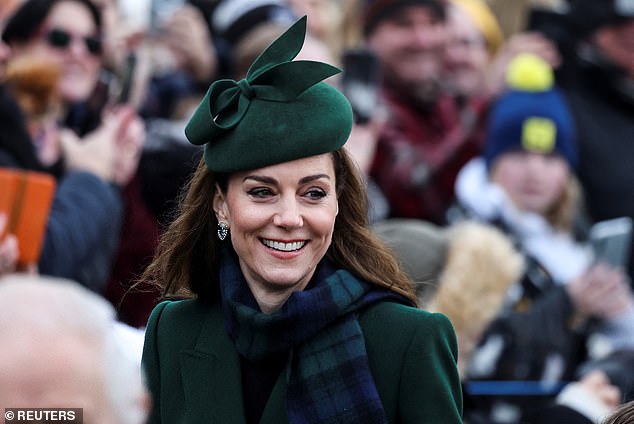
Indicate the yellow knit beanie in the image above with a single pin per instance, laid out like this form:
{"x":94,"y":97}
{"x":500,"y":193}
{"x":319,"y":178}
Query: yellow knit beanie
{"x":485,"y":20}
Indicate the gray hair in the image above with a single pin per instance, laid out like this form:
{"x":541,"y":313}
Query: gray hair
{"x":32,"y":305}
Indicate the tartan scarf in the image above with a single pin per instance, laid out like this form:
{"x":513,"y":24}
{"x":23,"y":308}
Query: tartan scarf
{"x":329,"y":379}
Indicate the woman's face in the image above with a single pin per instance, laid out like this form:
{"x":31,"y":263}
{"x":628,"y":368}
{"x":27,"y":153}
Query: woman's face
{"x":533,"y":181}
{"x":281,"y":220}
{"x":69,"y":39}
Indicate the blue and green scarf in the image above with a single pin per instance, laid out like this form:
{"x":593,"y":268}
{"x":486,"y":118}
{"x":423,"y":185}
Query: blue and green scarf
{"x":329,"y":379}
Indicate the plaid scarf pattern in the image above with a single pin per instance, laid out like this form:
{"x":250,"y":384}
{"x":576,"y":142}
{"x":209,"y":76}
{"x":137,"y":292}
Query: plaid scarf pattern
{"x":329,"y":379}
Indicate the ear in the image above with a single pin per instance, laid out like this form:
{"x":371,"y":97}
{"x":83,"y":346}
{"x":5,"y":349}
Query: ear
{"x":220,"y":205}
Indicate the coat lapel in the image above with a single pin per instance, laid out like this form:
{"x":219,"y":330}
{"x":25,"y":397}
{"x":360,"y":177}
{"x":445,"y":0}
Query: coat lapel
{"x":275,"y":409}
{"x":211,"y":376}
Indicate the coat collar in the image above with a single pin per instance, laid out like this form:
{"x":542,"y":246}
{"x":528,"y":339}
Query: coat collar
{"x":211,"y":379}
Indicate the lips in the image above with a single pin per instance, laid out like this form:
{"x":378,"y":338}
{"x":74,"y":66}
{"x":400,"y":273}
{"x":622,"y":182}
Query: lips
{"x":284,"y":246}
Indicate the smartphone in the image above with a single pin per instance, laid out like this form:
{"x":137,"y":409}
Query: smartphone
{"x":611,"y":241}
{"x":160,"y":11}
{"x":26,"y":197}
{"x":127,"y":78}
{"x":360,"y":82}
{"x":547,"y":19}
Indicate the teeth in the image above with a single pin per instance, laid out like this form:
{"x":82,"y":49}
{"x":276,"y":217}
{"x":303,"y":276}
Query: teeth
{"x":284,"y":247}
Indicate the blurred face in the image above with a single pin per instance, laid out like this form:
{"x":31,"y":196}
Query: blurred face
{"x":466,"y":56}
{"x":69,"y":38}
{"x":281,"y":220}
{"x":69,"y":378}
{"x":410,"y":45}
{"x":617,"y":43}
{"x":324,"y":16}
{"x":533,"y":181}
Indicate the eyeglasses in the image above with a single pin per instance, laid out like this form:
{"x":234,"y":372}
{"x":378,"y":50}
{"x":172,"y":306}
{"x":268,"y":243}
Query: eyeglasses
{"x":61,"y":39}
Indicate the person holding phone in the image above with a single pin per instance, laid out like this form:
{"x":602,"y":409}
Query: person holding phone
{"x":95,"y":151}
{"x":598,"y":83}
{"x":565,"y":309}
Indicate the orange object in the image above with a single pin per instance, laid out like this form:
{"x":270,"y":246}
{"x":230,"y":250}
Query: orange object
{"x":26,"y":198}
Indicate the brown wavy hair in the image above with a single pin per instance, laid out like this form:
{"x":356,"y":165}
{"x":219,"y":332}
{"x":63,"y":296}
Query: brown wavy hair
{"x":562,"y":213}
{"x":186,"y":262}
{"x":567,"y":207}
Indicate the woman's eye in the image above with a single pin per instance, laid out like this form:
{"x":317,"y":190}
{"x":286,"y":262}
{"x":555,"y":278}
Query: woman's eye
{"x":260,"y":192}
{"x":316,"y":194}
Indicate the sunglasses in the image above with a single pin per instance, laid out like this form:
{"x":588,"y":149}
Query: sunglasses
{"x":61,"y":39}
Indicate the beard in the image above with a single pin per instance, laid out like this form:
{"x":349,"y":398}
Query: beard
{"x":420,"y":94}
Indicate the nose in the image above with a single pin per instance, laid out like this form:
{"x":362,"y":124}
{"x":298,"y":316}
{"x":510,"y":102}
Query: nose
{"x":288,"y":214}
{"x":536,"y":162}
{"x":77,"y":47}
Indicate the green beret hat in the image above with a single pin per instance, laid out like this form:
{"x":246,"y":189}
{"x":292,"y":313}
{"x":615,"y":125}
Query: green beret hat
{"x":281,"y":111}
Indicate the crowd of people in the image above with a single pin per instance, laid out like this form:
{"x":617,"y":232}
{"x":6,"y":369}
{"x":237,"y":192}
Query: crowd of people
{"x":483,"y":140}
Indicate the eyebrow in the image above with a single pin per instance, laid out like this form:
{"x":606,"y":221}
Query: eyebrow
{"x":269,"y":180}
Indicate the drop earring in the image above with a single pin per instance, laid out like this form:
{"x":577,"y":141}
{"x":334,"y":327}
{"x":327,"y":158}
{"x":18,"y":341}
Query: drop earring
{"x":223,"y":230}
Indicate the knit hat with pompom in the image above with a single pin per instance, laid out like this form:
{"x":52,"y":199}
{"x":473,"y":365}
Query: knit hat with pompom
{"x":532,"y":115}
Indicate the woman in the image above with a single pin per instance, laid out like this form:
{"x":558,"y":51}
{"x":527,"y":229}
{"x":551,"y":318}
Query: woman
{"x":565,"y":309}
{"x":87,"y":203}
{"x":69,"y":34}
{"x":297,"y":313}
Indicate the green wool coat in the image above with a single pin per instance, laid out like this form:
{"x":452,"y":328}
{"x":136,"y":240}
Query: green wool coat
{"x":193,"y":369}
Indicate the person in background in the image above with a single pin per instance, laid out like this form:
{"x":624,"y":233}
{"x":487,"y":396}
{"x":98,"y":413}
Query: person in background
{"x":475,"y":38}
{"x":62,"y":349}
{"x":182,"y":59}
{"x":453,"y":265}
{"x":70,"y":34}
{"x":478,"y":55}
{"x":150,"y":62}
{"x":330,"y":21}
{"x":245,"y":28}
{"x":162,"y":71}
{"x":87,"y":204}
{"x":587,"y":400}
{"x":424,"y":142}
{"x":295,"y":311}
{"x":598,"y":83}
{"x":565,"y":309}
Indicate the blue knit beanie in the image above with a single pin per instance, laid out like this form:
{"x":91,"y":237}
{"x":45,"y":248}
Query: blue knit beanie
{"x":532,"y":115}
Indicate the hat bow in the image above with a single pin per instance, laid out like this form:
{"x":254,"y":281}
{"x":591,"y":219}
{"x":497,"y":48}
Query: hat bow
{"x":274,"y":76}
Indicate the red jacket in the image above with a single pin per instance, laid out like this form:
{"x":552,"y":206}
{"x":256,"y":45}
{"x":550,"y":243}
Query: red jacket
{"x":420,"y":152}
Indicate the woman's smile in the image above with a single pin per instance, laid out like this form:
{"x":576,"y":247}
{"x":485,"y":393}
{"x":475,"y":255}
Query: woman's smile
{"x":289,"y":246}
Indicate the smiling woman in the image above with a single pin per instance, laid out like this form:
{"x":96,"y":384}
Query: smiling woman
{"x":295,"y":312}
{"x":68,"y":35}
